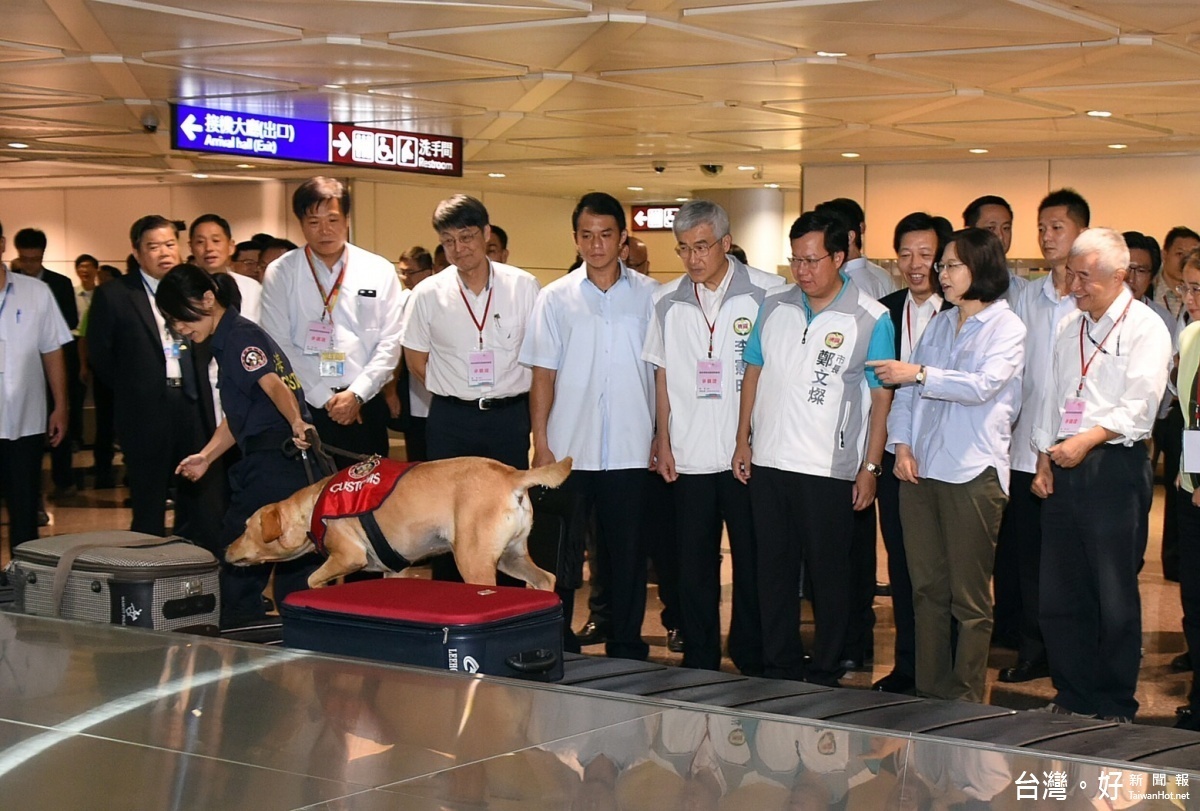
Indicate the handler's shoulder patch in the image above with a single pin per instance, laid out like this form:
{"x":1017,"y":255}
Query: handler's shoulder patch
{"x":253,"y":359}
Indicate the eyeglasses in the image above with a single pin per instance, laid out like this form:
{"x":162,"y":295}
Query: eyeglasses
{"x":1132,"y":269}
{"x":939,"y":267}
{"x":405,"y":273}
{"x":806,"y":261}
{"x":465,"y":238}
{"x":1185,"y":290}
{"x":699,"y":250}
{"x":250,"y":263}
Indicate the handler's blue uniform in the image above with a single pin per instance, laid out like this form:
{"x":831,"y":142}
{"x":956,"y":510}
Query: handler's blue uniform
{"x":245,"y":354}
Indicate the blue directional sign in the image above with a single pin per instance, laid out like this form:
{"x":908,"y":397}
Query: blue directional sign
{"x":253,"y":135}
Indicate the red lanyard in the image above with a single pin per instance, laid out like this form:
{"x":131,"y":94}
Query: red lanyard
{"x":712,"y":325}
{"x":479,"y":323}
{"x":1083,"y":367}
{"x":908,"y":319}
{"x":329,"y":301}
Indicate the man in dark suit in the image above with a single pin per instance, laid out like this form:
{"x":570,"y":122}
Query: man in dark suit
{"x":159,"y":399}
{"x":919,"y":241}
{"x":31,"y":252}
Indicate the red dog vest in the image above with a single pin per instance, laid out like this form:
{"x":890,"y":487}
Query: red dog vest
{"x":355,"y":492}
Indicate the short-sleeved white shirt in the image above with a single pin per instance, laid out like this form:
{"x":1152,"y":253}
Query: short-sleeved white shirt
{"x":603,"y":411}
{"x":441,"y":324}
{"x":31,"y":325}
{"x":418,"y":395}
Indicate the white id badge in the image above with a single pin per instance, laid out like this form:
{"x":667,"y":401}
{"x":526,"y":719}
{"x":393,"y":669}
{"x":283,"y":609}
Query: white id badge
{"x":318,"y":338}
{"x":1191,"y":451}
{"x":171,"y":349}
{"x":1072,"y":419}
{"x":709,"y":376}
{"x":333,"y":364}
{"x":481,"y":368}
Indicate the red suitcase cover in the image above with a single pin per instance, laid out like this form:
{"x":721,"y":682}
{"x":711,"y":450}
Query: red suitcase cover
{"x":426,"y":602}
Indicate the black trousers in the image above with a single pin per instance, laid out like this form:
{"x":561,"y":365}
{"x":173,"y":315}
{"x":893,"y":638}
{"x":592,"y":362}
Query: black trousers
{"x":368,"y":437}
{"x":62,"y":468}
{"x":1092,"y":547}
{"x":810,"y":519}
{"x":150,"y":466}
{"x":1189,"y":586}
{"x":20,"y":472}
{"x":455,"y":428}
{"x":860,"y":630}
{"x":1168,"y":437}
{"x":617,"y":498}
{"x":257,"y":479}
{"x":1021,"y":534}
{"x":416,"y":446}
{"x":662,"y":545}
{"x":102,"y":448}
{"x":888,"y":498}
{"x":703,"y":503}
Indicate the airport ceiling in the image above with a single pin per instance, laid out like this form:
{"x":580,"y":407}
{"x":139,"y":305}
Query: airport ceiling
{"x":548,"y":92}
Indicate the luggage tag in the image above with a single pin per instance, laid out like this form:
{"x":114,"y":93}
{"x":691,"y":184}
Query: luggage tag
{"x":481,"y":368}
{"x":1191,"y":451}
{"x":318,"y":338}
{"x":1072,"y":419}
{"x":333,"y":364}
{"x":709,"y":377}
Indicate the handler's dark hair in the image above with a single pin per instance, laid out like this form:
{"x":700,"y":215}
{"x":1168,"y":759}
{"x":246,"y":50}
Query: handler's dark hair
{"x":181,"y":291}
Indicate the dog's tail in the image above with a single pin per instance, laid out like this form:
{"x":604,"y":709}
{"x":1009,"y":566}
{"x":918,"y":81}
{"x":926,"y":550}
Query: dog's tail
{"x":546,"y":475}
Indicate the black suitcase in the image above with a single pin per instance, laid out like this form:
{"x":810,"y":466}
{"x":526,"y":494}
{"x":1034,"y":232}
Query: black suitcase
{"x":498,"y":630}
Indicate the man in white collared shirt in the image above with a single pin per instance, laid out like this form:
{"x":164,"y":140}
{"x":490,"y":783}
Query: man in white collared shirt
{"x":1111,"y":359}
{"x":334,"y":308}
{"x":702,"y":320}
{"x":462,"y":337}
{"x":32,"y":335}
{"x":592,"y":398}
{"x":993,"y":213}
{"x":866,"y":275}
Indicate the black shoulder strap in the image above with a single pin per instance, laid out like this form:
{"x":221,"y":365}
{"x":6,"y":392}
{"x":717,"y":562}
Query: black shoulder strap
{"x":388,"y":556}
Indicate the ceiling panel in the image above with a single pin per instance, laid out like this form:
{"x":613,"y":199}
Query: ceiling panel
{"x":1146,"y":16}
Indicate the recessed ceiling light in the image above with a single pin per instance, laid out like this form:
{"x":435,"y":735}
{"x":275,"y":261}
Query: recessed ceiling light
{"x":199,"y":175}
{"x":682,"y":199}
{"x":335,"y":87}
{"x":977,"y":151}
{"x":1118,"y":146}
{"x":747,"y":168}
{"x":635,"y":188}
{"x":497,"y":174}
{"x":771,"y":185}
{"x":831,"y":53}
{"x":245,"y":166}
{"x":18,"y":145}
{"x":1099,"y":113}
{"x":849,"y":154}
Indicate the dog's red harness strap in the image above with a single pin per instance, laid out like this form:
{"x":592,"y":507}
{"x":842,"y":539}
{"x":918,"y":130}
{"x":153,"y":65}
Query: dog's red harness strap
{"x":354,"y":491}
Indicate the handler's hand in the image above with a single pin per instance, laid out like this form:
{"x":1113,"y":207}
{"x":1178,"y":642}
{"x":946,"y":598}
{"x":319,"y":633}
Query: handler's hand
{"x":193,"y":467}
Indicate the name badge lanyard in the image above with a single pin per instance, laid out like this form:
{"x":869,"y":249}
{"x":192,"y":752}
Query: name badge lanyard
{"x":712,"y":325}
{"x":1084,"y":366}
{"x":328,"y":300}
{"x":478,"y":322}
{"x":167,"y":336}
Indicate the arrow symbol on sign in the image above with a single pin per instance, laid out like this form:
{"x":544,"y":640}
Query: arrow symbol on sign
{"x":190,"y":128}
{"x":342,"y":144}
{"x":640,"y":218}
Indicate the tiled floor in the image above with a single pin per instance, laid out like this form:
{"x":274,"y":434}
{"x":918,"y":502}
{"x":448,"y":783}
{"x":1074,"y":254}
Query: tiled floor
{"x":1159,"y":690}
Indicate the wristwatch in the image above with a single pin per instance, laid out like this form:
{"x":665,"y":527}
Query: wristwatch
{"x":358,"y":397}
{"x":921,"y":376}
{"x":874,"y":469}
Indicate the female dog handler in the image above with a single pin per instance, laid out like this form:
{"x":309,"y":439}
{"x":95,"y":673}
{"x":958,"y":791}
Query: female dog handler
{"x":264,"y":407}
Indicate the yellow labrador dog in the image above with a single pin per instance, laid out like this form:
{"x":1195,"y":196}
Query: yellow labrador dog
{"x":477,"y":508}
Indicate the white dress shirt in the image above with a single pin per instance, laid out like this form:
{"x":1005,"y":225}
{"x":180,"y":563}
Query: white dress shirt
{"x":959,"y":422}
{"x":1040,"y":309}
{"x":366,"y":319}
{"x":870,"y":277}
{"x":418,"y":396}
{"x":1125,"y":379}
{"x":251,"y":297}
{"x":603,"y":411}
{"x":442,"y":325}
{"x":914,"y":320}
{"x":150,"y":284}
{"x":31,"y":325}
{"x":84,"y":304}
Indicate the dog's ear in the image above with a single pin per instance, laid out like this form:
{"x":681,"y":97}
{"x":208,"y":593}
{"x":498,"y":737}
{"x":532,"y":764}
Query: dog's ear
{"x":272,"y":528}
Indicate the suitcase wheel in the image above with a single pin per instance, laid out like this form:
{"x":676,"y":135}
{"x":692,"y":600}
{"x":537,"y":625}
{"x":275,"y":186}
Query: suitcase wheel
{"x":533,"y":661}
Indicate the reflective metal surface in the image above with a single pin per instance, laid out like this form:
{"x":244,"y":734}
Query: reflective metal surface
{"x":98,"y":717}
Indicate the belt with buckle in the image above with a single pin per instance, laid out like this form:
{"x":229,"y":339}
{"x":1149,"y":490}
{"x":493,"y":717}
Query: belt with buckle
{"x":488,"y":403}
{"x":174,"y":382}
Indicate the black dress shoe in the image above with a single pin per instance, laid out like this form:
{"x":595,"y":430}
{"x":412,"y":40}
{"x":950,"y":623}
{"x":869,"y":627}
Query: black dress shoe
{"x":675,"y":640}
{"x":895,"y":683}
{"x":1024,"y":671}
{"x":592,"y":634}
{"x":1182,"y":663}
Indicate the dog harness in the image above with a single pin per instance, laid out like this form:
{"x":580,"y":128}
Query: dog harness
{"x":357,"y":492}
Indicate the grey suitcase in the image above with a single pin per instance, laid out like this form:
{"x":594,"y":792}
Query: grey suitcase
{"x":124,"y":578}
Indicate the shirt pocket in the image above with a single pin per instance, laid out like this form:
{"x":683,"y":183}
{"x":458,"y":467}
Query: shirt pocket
{"x":367,"y":311}
{"x":1109,"y":374}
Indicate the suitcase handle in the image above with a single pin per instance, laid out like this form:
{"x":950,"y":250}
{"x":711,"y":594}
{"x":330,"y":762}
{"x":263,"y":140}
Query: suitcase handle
{"x":533,"y":661}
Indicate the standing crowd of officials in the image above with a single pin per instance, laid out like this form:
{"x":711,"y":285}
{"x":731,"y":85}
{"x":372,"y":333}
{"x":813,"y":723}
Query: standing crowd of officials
{"x":1000,"y":423}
